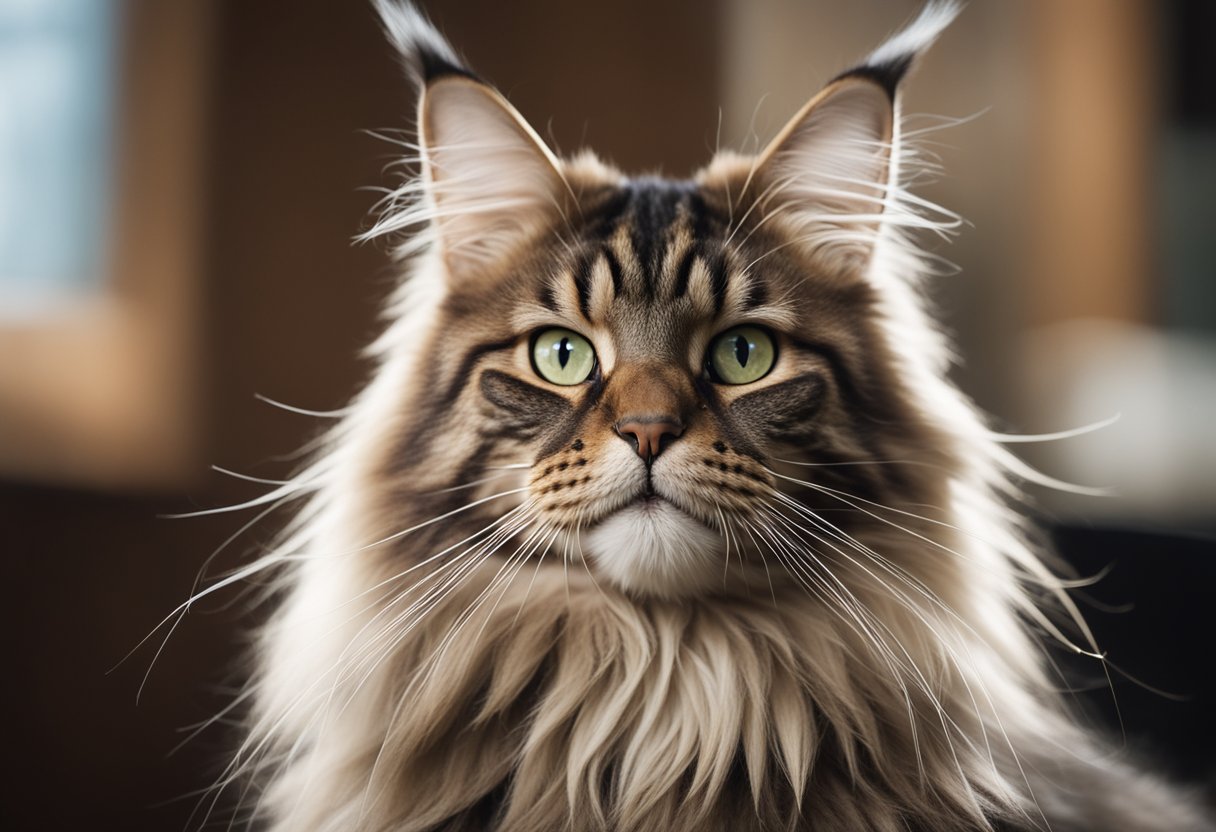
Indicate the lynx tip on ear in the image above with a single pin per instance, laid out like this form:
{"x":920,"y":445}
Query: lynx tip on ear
{"x":425,"y":53}
{"x":889,"y":64}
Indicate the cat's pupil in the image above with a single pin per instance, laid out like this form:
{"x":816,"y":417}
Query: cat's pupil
{"x":563,"y":353}
{"x":742,"y":350}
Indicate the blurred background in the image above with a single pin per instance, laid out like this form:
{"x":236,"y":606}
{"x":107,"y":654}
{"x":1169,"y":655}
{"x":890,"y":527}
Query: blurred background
{"x":180,"y":181}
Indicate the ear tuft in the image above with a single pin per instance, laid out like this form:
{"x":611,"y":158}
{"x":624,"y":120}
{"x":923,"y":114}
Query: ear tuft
{"x":425,"y":53}
{"x":890,"y":63}
{"x":488,"y":181}
{"x":832,"y":172}
{"x":490,"y":178}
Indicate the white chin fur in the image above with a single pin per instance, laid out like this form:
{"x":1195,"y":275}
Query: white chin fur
{"x":655,"y":549}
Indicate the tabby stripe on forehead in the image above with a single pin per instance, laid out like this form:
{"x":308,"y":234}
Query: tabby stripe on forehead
{"x":699,"y":215}
{"x":604,"y":222}
{"x":757,"y":293}
{"x":683,"y":271}
{"x":582,"y":284}
{"x":654,"y":211}
{"x":718,"y":277}
{"x":547,"y":297}
{"x":614,"y":268}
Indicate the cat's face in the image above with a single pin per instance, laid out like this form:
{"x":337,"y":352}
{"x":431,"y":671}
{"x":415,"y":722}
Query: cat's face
{"x":655,"y":353}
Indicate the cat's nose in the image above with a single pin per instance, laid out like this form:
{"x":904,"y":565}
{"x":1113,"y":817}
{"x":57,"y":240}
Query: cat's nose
{"x":649,"y":436}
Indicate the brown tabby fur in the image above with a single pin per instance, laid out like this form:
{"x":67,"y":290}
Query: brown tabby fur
{"x":851,"y":652}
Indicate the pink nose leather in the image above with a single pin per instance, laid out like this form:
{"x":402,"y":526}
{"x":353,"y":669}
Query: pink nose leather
{"x":647,"y":435}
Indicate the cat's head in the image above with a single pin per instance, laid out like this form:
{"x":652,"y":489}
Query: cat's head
{"x":687,"y":374}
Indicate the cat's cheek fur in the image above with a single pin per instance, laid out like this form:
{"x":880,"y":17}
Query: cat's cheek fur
{"x":655,"y":549}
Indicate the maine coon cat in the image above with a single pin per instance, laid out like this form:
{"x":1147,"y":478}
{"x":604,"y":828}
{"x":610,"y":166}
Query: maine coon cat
{"x":660,"y":514}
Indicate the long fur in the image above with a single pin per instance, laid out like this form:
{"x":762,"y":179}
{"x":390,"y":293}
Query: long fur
{"x":440,"y":664}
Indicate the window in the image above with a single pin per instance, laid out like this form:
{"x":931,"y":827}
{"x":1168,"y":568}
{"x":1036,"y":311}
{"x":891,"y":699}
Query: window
{"x":56,"y":103}
{"x":101,"y":125}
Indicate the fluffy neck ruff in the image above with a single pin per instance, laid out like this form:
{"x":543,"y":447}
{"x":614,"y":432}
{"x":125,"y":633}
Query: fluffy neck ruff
{"x":556,"y":705}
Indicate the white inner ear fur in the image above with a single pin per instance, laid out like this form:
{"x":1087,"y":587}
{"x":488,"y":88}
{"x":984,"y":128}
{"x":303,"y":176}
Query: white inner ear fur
{"x":828,"y":169}
{"x":490,"y":178}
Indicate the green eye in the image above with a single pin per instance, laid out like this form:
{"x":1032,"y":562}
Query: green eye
{"x":741,"y":355}
{"x":562,"y":356}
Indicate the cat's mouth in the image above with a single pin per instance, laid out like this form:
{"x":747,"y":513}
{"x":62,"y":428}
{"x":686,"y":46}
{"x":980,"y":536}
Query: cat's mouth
{"x":649,"y":499}
{"x":652,"y":545}
{"x":650,"y":503}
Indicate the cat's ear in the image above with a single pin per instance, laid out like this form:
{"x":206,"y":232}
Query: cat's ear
{"x":830,"y":171}
{"x":489,"y":180}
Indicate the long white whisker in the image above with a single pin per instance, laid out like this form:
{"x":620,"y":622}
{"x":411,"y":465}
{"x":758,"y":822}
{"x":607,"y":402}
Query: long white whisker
{"x":1030,"y":609}
{"x":301,"y":411}
{"x":1007,"y":438}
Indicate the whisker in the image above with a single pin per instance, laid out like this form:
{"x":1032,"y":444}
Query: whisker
{"x":276,"y":559}
{"x":947,"y":644}
{"x":850,"y":610}
{"x":472,"y":484}
{"x":1011,"y":438}
{"x":1030,"y":609}
{"x":301,"y":411}
{"x":247,"y":478}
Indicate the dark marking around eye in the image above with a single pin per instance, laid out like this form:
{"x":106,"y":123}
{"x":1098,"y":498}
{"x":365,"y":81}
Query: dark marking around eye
{"x":422,"y":427}
{"x":784,"y":411}
{"x":840,"y":373}
{"x":739,"y":441}
{"x":465,"y":370}
{"x":529,"y":408}
{"x":570,"y":419}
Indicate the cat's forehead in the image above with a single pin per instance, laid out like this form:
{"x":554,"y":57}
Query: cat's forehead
{"x":649,"y":254}
{"x":648,"y":225}
{"x":648,"y":205}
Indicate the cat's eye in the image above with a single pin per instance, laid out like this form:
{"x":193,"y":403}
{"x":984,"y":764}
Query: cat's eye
{"x":562,"y":356}
{"x":741,"y":355}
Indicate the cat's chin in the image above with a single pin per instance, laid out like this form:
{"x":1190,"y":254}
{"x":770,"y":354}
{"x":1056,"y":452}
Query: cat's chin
{"x":651,"y":547}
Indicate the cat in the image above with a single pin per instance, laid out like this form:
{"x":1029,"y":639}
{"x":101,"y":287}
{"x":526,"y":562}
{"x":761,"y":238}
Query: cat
{"x":660,"y":513}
